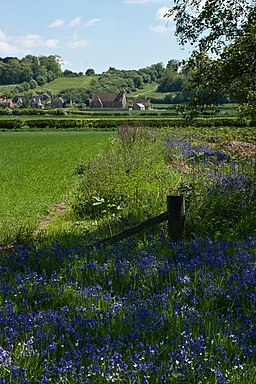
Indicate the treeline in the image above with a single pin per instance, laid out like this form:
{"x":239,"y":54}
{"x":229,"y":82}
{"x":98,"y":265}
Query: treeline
{"x":31,"y":69}
{"x":131,"y":80}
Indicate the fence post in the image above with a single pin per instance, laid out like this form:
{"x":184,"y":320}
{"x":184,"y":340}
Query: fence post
{"x":176,"y":217}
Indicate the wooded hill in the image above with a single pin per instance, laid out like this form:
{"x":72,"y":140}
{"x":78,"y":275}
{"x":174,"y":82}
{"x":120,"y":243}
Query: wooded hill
{"x":43,"y":76}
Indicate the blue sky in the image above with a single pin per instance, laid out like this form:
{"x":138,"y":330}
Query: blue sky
{"x":98,"y":34}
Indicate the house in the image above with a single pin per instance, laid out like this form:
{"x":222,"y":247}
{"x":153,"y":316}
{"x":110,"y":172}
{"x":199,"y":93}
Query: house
{"x":109,"y":100}
{"x":34,"y":101}
{"x":5,"y":102}
{"x":142,"y":105}
{"x":138,"y":106}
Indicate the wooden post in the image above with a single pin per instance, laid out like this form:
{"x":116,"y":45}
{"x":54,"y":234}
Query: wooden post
{"x":176,"y":217}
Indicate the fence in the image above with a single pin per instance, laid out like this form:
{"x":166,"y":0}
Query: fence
{"x":175,"y":216}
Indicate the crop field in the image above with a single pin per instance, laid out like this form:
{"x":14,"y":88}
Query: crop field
{"x":37,"y":170}
{"x":146,"y":309}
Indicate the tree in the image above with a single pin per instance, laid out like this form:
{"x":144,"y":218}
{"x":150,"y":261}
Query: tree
{"x":41,"y":80}
{"x":89,"y":72}
{"x":172,"y":80}
{"x":226,"y":28}
{"x":211,"y":23}
{"x":173,"y":64}
{"x":33,"y":84}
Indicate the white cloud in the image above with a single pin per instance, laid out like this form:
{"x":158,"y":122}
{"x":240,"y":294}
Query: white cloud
{"x":36,"y":41}
{"x":51,"y":43}
{"x":92,"y":22}
{"x":56,"y":24}
{"x":160,"y":13}
{"x":6,"y":48}
{"x":30,"y":41}
{"x":77,"y":43}
{"x":25,"y":43}
{"x":75,"y":21}
{"x":162,"y":23}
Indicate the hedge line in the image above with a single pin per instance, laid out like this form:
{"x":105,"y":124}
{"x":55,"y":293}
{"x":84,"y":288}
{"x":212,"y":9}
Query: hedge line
{"x":33,"y":124}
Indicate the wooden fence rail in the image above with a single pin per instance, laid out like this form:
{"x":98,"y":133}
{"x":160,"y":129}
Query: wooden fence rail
{"x":175,"y":216}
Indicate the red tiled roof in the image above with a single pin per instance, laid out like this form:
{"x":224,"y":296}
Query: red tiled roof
{"x":5,"y":100}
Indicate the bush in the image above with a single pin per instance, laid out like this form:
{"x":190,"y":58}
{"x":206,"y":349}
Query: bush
{"x":10,"y":124}
{"x":131,"y":177}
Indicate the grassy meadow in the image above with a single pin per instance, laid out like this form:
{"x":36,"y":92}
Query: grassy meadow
{"x":37,"y":170}
{"x":61,"y":83}
{"x":146,"y":309}
{"x":58,"y":84}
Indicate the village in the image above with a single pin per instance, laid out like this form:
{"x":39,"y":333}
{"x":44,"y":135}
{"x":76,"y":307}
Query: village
{"x":98,"y":101}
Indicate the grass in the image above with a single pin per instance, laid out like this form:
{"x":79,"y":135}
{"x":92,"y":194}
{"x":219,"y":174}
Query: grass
{"x":61,"y":83}
{"x":144,"y":310}
{"x":37,"y":170}
{"x":148,"y":91}
{"x":56,"y":85}
{"x":5,"y":89}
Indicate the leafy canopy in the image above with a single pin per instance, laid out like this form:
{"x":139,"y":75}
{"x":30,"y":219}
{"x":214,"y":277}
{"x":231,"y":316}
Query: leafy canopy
{"x":211,"y":23}
{"x":224,"y":58}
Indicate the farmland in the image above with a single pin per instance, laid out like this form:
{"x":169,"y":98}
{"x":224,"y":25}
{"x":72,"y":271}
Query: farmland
{"x":147,"y":309}
{"x":37,"y":170}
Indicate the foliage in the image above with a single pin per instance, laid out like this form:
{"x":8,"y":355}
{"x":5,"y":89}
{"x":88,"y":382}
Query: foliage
{"x":89,"y":72}
{"x":75,"y":95}
{"x":233,"y":73}
{"x":68,"y":73}
{"x":129,"y":177}
{"x":211,"y":24}
{"x":226,"y":28}
{"x":41,"y":69}
{"x":113,"y":80}
{"x":171,"y":82}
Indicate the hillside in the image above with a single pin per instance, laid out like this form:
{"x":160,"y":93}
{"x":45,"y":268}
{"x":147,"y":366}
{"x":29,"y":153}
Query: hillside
{"x":147,"y":91}
{"x":61,"y":83}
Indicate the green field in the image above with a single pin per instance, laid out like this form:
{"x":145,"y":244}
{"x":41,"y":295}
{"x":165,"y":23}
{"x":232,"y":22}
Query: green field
{"x":37,"y":170}
{"x":61,"y":83}
{"x":57,"y":85}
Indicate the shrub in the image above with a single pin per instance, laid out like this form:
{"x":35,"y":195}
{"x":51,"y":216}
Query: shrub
{"x":130,"y":177}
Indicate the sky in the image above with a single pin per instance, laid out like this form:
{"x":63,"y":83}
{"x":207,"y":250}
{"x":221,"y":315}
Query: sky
{"x":98,"y":34}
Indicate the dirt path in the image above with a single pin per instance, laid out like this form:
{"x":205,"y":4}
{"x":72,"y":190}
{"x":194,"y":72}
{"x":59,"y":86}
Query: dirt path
{"x":56,"y":210}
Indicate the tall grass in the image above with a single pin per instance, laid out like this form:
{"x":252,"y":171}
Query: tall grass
{"x":37,"y":170}
{"x":126,"y":183}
